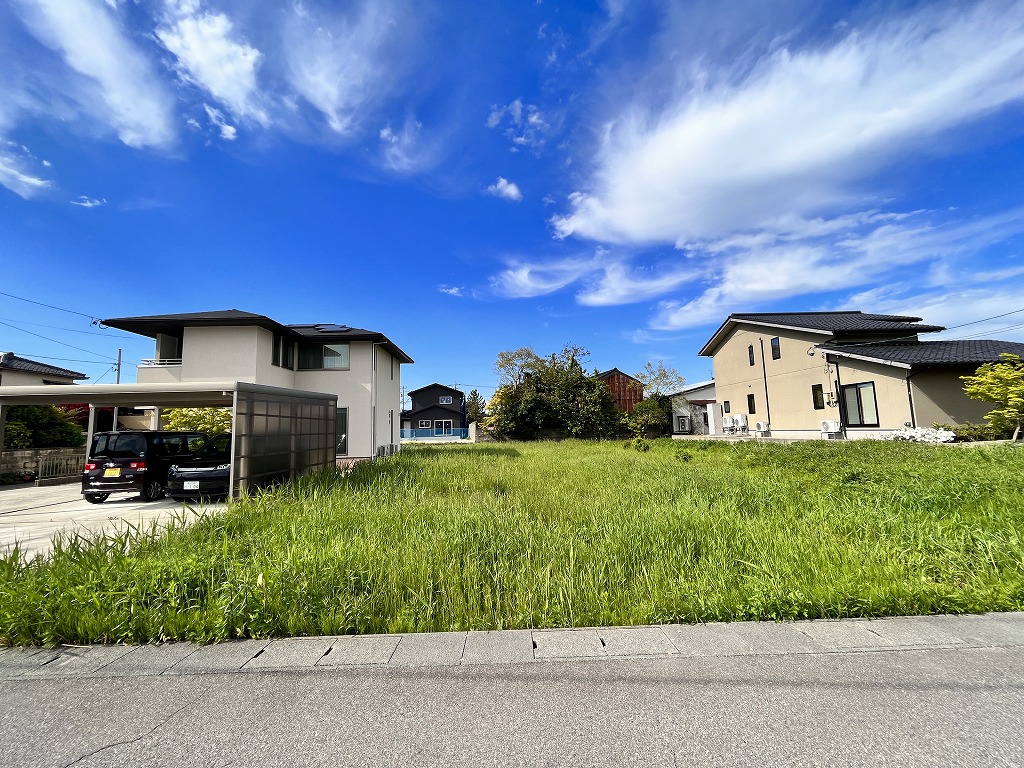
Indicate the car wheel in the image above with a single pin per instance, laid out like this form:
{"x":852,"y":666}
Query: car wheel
{"x":96,"y":498}
{"x":152,"y":490}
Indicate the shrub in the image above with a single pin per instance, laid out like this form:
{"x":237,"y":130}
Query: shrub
{"x":637,"y":444}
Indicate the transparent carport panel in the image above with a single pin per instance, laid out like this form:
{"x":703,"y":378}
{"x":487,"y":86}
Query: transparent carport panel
{"x":279,"y":434}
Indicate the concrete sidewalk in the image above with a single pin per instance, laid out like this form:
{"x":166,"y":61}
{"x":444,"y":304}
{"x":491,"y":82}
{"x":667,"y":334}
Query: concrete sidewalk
{"x":1002,"y":630}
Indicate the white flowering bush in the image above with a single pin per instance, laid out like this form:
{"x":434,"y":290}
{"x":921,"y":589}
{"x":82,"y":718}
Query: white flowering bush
{"x":921,"y":435}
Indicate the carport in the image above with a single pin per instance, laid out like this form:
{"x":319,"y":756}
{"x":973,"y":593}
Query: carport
{"x":277,"y":433}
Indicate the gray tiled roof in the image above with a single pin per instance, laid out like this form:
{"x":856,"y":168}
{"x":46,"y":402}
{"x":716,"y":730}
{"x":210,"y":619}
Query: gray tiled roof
{"x":839,"y":322}
{"x":12,"y":362}
{"x":923,"y":353}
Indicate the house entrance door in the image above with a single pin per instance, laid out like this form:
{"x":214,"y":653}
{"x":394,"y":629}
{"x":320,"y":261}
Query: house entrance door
{"x":442,"y":427}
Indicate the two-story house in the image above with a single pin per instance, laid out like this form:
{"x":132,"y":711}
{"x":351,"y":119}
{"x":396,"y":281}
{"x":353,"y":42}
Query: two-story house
{"x":362,"y":368}
{"x":842,"y":374}
{"x":437,"y":411}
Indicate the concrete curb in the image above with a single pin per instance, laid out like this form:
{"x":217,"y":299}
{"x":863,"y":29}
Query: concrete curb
{"x":524,"y":646}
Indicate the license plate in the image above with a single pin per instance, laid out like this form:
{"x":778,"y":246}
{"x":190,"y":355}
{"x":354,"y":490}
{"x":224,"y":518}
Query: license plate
{"x":190,"y":485}
{"x":112,"y":472}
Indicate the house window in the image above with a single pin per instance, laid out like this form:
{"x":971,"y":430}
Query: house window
{"x":776,"y":349}
{"x":341,"y":432}
{"x":323,"y":357}
{"x":750,"y":353}
{"x":860,"y":404}
{"x":445,"y":400}
{"x":725,"y":407}
{"x":751,"y":408}
{"x":425,"y":424}
{"x":283,"y":354}
{"x":818,"y":396}
{"x":275,"y":355}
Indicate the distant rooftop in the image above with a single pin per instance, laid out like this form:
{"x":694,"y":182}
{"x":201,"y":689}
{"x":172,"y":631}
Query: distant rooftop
{"x":11,"y":362}
{"x":913,"y":354}
{"x":835,"y":324}
{"x":172,"y":325}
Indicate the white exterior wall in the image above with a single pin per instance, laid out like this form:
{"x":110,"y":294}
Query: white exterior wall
{"x":353,"y":390}
{"x":389,"y":398}
{"x":220,"y":353}
{"x":9,"y":378}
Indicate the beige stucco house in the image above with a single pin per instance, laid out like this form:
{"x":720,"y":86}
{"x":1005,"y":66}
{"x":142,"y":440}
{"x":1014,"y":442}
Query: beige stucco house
{"x":842,"y":374}
{"x":21,"y":372}
{"x":361,"y":367}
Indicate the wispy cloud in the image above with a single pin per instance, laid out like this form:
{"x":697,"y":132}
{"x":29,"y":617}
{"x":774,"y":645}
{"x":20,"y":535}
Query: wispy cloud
{"x":523,"y":124}
{"x":89,"y":202}
{"x":619,"y":284}
{"x":114,"y":81}
{"x":450,"y":290}
{"x":523,"y":279}
{"x":798,"y":133}
{"x":18,"y":180}
{"x":211,"y":56}
{"x":227,"y":132}
{"x":404,"y":150}
{"x":505,"y":189}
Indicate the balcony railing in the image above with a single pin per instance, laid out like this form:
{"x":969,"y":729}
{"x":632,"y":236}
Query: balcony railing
{"x":164,"y":361}
{"x":438,"y":433}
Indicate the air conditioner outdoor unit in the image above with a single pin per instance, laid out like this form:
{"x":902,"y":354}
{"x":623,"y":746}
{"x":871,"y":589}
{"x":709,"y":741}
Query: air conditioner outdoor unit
{"x":762,"y":427}
{"x":831,"y":430}
{"x":741,"y":421}
{"x":728,"y":425}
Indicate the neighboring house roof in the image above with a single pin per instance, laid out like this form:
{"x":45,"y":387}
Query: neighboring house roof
{"x":927,"y":353}
{"x":606,"y":374}
{"x":835,"y":324}
{"x":685,"y":391}
{"x":151,"y":325}
{"x":447,"y":408}
{"x":439,"y":386}
{"x":11,"y":362}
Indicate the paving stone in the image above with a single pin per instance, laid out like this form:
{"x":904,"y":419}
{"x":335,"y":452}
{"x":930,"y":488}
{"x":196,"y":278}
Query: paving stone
{"x":498,"y":647}
{"x":148,"y":659}
{"x":18,"y":661}
{"x":75,"y":660}
{"x":567,"y":643}
{"x":990,"y":629}
{"x":636,"y":641}
{"x":844,"y":635}
{"x":291,"y":652}
{"x":913,"y":631}
{"x":746,"y":638}
{"x":219,"y":657}
{"x":360,"y":649}
{"x":429,"y":648}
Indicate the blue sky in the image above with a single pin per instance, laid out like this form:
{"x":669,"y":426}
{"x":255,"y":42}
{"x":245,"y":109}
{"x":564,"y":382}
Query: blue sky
{"x":471,"y":177}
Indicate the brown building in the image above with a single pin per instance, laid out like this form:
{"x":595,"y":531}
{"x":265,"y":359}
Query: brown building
{"x":842,"y":374}
{"x":626,"y":391}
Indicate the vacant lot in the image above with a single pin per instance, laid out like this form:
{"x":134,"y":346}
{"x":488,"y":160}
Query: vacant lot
{"x":554,"y":535}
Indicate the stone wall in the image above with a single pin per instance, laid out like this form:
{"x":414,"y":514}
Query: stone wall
{"x":15,"y":461}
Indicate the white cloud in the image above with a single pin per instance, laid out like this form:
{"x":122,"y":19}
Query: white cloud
{"x":798,"y":133}
{"x":618,"y":285}
{"x":210,"y":55}
{"x":505,"y":189}
{"x":404,"y":151}
{"x":451,"y":290}
{"x":117,"y":83}
{"x":523,"y":124}
{"x":522,"y":280}
{"x":227,"y":132}
{"x":19,"y":181}
{"x":340,"y":65}
{"x":89,"y":202}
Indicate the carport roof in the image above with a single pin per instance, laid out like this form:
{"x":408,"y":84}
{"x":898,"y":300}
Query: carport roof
{"x":192,"y":394}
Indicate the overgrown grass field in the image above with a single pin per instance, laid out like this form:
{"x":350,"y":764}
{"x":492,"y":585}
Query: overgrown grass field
{"x":554,"y":535}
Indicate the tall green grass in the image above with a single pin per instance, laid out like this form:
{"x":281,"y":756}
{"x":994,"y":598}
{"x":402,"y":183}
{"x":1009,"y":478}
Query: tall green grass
{"x":553,"y":535}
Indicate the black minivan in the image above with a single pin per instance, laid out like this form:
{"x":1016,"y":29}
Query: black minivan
{"x":135,"y":461}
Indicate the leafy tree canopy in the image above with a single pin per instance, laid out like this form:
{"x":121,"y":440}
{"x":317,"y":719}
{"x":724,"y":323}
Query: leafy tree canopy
{"x":212,"y":421}
{"x":550,"y":394}
{"x":659,"y":380}
{"x":1002,"y":384}
{"x":42,"y":426}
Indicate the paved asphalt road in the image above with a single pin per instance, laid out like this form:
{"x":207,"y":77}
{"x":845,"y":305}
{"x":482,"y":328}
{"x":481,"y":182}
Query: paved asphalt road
{"x":935,"y":691}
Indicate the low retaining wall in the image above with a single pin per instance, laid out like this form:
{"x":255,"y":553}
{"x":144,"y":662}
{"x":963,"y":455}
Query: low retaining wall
{"x":18,"y":460}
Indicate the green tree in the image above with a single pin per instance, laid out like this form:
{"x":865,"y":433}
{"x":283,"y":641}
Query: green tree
{"x":212,"y":421}
{"x":550,"y":394}
{"x":650,"y":417}
{"x":1002,"y":384}
{"x":659,"y":380}
{"x":42,"y":426}
{"x":476,"y":408}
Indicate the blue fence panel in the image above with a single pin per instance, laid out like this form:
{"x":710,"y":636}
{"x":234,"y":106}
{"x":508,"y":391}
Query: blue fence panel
{"x":438,"y":433}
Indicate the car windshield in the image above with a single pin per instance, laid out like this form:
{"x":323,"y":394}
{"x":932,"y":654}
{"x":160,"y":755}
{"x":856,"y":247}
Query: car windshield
{"x":119,"y":446}
{"x":218,"y":449}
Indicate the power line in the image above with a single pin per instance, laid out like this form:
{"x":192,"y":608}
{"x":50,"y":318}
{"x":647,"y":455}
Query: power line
{"x":50,"y":306}
{"x":73,"y":330}
{"x":62,"y":359}
{"x":62,"y":343}
{"x":914,"y":336}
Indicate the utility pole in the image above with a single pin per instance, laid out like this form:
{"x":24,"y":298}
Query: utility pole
{"x":118,"y":377}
